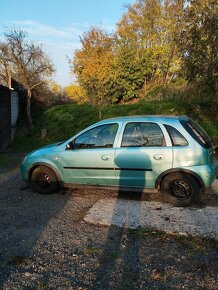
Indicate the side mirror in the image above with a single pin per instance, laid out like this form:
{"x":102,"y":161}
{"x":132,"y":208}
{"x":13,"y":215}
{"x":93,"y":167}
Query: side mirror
{"x":70,"y":145}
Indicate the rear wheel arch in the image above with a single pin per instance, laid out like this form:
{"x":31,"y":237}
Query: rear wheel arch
{"x":180,"y":189}
{"x":195,"y":176}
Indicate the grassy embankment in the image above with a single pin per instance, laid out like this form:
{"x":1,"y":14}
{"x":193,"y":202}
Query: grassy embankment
{"x":64,"y":121}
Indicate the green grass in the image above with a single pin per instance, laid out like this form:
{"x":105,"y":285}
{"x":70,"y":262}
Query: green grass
{"x":195,"y":244}
{"x":64,"y":121}
{"x":41,"y":285}
{"x":90,"y":250}
{"x":143,"y":232}
{"x":191,"y":244}
{"x":61,"y":123}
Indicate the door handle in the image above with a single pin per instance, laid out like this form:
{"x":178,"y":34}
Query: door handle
{"x":158,"y":156}
{"x":105,"y":157}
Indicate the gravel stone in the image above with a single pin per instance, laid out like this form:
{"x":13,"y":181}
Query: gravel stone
{"x":46,"y":242}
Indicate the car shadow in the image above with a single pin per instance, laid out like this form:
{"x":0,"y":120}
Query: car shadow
{"x":20,"y":232}
{"x":116,"y":268}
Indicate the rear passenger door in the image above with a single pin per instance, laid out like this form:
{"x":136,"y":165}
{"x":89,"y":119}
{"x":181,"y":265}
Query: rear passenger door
{"x":143,"y":154}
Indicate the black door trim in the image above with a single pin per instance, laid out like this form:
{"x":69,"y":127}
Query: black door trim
{"x":108,"y":168}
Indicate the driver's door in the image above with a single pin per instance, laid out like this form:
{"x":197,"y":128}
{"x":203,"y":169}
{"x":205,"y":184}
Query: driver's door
{"x":91,"y":160}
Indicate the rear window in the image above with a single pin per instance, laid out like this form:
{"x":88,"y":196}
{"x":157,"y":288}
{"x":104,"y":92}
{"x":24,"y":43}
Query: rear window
{"x":176,"y":137}
{"x":197,"y":133}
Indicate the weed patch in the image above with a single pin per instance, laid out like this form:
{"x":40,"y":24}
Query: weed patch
{"x":145,"y":232}
{"x":90,"y":250}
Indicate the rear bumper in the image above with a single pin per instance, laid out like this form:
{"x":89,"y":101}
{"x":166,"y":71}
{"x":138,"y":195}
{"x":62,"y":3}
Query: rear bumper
{"x":211,"y":173}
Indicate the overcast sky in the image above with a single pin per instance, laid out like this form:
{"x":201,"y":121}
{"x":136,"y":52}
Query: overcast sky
{"x":57,"y":24}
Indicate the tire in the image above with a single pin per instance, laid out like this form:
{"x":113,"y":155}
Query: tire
{"x":44,"y":180}
{"x":180,"y":189}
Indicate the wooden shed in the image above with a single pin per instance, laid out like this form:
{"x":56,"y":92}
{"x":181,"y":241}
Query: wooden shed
{"x":9,"y":110}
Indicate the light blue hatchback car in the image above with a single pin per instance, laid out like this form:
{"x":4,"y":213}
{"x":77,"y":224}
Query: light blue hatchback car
{"x":137,"y":153}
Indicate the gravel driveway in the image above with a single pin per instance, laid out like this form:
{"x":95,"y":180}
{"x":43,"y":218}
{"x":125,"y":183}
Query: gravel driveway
{"x":45,"y":243}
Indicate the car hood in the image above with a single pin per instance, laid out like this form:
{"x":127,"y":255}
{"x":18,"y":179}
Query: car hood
{"x":47,"y":149}
{"x":50,"y":145}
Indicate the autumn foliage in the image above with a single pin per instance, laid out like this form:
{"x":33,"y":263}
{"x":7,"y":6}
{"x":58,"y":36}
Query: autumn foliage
{"x":155,"y":42}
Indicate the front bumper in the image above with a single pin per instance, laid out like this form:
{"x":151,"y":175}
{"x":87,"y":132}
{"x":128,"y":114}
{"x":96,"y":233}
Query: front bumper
{"x":24,"y":173}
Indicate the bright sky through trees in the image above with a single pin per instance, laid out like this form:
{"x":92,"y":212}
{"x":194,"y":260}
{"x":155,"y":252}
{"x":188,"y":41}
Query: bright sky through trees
{"x":58,"y":24}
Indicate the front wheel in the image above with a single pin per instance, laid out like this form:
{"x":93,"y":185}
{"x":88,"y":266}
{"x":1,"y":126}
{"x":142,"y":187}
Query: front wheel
{"x":43,"y":180}
{"x":180,"y":189}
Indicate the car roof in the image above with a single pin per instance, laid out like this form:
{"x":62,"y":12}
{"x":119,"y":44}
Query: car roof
{"x":160,"y":118}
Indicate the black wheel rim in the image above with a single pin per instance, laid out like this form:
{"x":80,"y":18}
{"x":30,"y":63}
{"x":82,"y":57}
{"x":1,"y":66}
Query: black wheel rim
{"x":180,"y":189}
{"x":43,"y":180}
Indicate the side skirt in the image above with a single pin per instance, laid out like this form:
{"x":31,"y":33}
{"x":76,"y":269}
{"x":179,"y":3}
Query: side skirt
{"x":103,"y":187}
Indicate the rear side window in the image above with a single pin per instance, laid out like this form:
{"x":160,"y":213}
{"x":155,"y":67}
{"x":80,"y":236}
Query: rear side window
{"x":140,"y":134}
{"x":176,"y":137}
{"x":197,"y":133}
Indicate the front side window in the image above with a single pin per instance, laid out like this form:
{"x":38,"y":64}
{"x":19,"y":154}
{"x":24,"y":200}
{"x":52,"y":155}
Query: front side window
{"x":98,"y":137}
{"x":140,"y":134}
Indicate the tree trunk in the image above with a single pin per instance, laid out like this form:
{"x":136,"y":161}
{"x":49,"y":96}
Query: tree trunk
{"x":28,"y":109}
{"x":170,"y":57}
{"x":100,"y":113}
{"x":145,"y":87}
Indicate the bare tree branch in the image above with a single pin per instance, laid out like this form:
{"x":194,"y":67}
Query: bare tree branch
{"x":25,"y":61}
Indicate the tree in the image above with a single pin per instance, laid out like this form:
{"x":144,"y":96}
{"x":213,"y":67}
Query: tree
{"x":5,"y":65}
{"x":55,"y":87}
{"x":130,"y":69}
{"x":50,"y":94}
{"x":92,"y":67}
{"x":142,"y":52}
{"x":198,"y":46}
{"x":76,"y":93}
{"x":26,"y":62}
{"x":146,"y":48}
